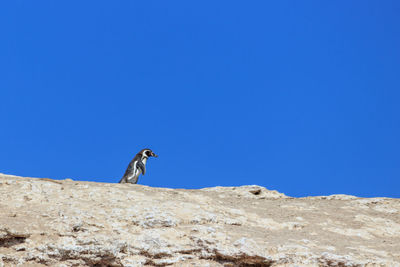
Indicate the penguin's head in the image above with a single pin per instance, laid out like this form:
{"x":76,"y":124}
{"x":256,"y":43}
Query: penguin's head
{"x":148,"y":153}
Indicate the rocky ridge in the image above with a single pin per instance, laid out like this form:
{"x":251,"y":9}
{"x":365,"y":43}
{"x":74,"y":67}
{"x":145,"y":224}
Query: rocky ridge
{"x":46,"y":222}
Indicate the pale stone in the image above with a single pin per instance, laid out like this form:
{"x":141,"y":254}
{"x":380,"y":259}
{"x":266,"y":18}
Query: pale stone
{"x":64,"y":223}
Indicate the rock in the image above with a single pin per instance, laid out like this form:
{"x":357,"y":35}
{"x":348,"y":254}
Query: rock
{"x":72,"y":223}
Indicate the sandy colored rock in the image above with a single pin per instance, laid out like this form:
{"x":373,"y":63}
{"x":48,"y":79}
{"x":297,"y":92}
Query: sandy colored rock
{"x":71,"y":223}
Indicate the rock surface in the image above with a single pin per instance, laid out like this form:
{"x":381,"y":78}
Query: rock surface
{"x":69,"y":223}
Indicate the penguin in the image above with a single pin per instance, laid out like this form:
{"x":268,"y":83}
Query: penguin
{"x":137,"y":166}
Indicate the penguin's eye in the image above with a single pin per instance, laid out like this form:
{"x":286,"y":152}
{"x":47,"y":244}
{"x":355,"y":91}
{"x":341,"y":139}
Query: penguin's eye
{"x":148,"y":153}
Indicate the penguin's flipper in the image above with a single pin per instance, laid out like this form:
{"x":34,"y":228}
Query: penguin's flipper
{"x":141,"y":166}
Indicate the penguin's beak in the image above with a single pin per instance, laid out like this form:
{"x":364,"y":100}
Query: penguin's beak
{"x":154,"y":154}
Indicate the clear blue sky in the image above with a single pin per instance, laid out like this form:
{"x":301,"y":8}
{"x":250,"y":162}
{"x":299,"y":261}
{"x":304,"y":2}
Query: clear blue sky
{"x":298,"y":96}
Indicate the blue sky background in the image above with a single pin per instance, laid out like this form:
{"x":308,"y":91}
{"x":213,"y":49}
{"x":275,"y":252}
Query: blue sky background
{"x":298,"y":96}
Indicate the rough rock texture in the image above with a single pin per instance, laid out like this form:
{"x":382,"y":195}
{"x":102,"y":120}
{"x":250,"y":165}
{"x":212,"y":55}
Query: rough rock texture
{"x":69,"y":223}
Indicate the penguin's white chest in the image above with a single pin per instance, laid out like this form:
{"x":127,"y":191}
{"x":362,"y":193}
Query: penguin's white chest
{"x":135,"y":173}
